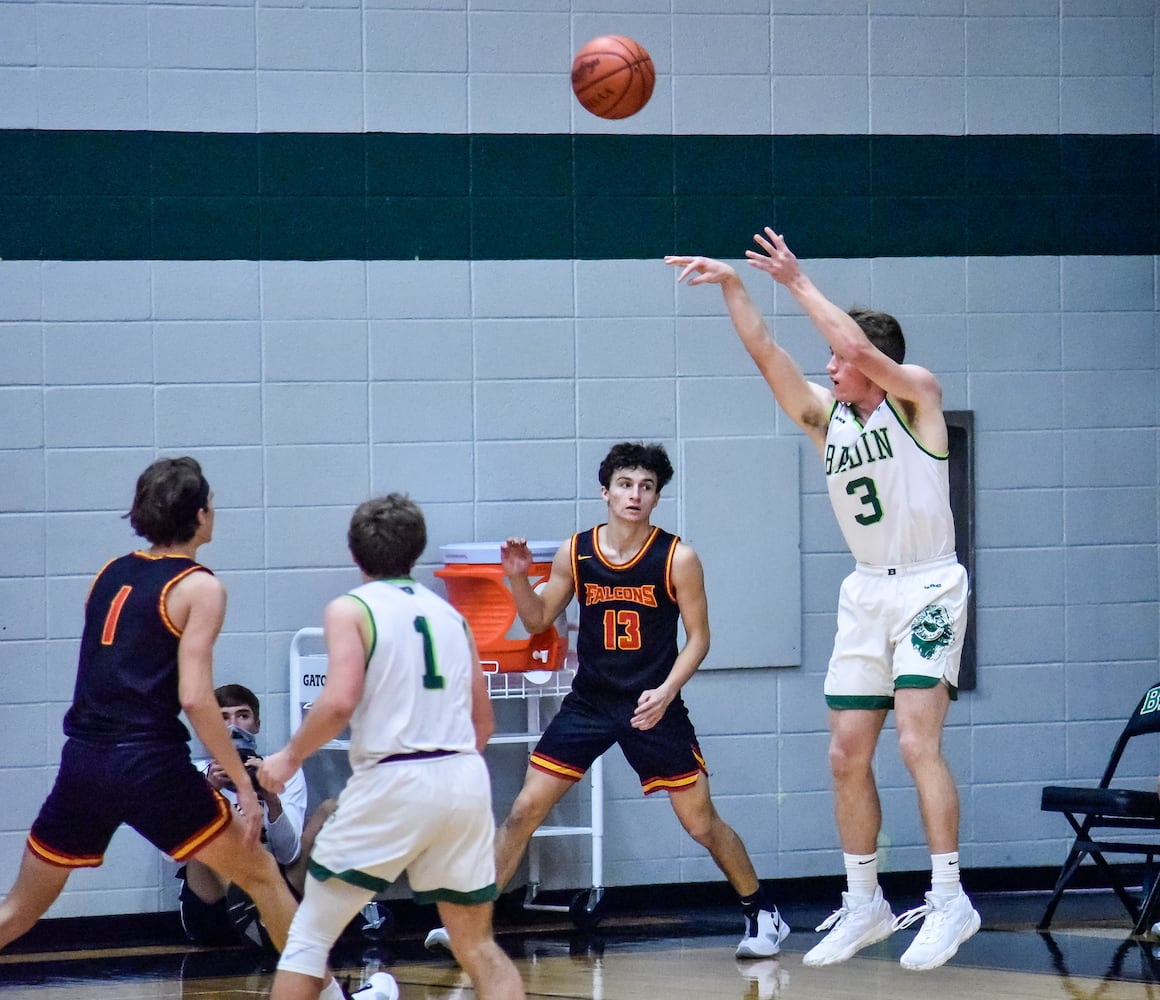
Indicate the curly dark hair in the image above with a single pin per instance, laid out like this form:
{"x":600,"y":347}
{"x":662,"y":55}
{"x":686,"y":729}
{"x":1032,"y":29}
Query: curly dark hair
{"x":637,"y":455}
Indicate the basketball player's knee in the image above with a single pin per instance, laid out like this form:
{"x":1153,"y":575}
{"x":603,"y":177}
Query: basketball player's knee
{"x":260,"y":875}
{"x":481,"y":959}
{"x":307,"y":945}
{"x":917,"y":750}
{"x":845,"y":762}
{"x":702,"y":833}
{"x":526,"y":815}
{"x":705,"y":827}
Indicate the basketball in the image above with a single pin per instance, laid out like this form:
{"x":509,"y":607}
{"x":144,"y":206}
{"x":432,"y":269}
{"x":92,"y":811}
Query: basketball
{"x":613,"y":76}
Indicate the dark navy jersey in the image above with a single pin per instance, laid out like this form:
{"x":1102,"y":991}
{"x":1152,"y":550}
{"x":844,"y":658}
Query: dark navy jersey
{"x":627,"y":637}
{"x":126,"y":689}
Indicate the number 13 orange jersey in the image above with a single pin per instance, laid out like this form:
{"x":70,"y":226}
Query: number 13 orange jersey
{"x":627,"y":638}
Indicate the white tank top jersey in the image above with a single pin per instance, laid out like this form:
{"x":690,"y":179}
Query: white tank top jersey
{"x":891,"y":496}
{"x":417,"y":694}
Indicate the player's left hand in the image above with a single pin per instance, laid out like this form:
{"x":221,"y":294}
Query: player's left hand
{"x":650,"y":708}
{"x":778,"y":261}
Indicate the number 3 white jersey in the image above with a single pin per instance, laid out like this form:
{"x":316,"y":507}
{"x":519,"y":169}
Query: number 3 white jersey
{"x":891,"y":496}
{"x":417,"y":694}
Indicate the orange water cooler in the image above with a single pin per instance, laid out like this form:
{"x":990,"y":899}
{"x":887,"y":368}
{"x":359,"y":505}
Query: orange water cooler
{"x":476,"y":587}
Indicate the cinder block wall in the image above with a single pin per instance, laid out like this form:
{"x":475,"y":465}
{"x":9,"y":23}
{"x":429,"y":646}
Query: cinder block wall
{"x":332,"y":249}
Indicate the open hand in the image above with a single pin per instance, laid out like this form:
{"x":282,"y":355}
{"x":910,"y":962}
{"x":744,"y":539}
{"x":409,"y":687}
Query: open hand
{"x":777,"y":260}
{"x":515,"y":555}
{"x":701,"y":270}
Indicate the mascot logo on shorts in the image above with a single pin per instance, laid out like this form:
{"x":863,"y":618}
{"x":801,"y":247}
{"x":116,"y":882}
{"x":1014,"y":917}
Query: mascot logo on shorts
{"x":931,"y":631}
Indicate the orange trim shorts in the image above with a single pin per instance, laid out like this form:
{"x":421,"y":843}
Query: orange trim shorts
{"x":666,"y":758}
{"x":153,"y":787}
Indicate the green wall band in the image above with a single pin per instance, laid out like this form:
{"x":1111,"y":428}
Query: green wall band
{"x":103,"y":195}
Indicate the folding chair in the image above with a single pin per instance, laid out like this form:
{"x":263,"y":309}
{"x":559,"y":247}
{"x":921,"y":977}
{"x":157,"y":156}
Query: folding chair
{"x":1097,"y":814}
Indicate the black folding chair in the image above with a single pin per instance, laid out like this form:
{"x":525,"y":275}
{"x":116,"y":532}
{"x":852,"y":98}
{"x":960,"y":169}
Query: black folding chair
{"x":1101,"y":816}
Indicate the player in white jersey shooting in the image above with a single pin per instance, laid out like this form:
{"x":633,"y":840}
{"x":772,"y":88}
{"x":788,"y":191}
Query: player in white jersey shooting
{"x":882,"y":436}
{"x":403,"y":672}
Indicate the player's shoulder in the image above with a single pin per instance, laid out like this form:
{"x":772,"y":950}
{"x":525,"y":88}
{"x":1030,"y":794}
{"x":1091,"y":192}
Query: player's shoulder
{"x":683,"y":553}
{"x":200,"y":581}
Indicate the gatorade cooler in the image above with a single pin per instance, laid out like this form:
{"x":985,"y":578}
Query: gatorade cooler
{"x":476,"y":587}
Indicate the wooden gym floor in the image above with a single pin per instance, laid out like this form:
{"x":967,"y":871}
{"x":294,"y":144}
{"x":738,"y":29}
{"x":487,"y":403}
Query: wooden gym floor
{"x":638,"y":952}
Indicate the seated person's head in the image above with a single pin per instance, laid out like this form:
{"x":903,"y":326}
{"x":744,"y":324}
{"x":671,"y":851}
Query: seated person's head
{"x":239,"y":707}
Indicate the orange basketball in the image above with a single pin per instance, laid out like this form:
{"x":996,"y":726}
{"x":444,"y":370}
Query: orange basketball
{"x":613,"y":76}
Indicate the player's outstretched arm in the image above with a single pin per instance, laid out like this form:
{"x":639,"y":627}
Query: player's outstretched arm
{"x":840,"y":331}
{"x":845,"y":337}
{"x":806,"y":404}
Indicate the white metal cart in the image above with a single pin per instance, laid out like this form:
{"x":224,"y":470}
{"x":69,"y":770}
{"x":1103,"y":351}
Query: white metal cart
{"x":308,"y":674}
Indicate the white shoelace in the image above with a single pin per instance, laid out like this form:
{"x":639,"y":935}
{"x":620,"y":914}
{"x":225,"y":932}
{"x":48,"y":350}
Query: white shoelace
{"x":833,"y":918}
{"x":912,"y":916}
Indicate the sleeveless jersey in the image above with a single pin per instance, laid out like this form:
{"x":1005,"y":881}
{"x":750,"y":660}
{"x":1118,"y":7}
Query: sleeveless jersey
{"x":417,"y":693}
{"x":126,"y":687}
{"x":627,"y":634}
{"x":891,"y":496}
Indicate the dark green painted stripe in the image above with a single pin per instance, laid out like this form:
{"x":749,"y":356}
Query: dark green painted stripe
{"x":277,"y":196}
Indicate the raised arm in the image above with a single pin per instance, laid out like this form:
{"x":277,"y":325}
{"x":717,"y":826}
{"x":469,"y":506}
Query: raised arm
{"x":845,"y":337}
{"x":538,"y":609}
{"x":805,"y":403}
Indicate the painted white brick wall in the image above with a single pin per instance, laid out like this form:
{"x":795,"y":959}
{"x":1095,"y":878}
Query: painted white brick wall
{"x":490,"y":390}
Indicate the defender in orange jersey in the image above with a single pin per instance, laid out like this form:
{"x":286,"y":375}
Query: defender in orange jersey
{"x":151,"y":620}
{"x":635,"y":583}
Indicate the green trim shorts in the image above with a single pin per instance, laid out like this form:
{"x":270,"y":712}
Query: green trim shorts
{"x":898,"y":627}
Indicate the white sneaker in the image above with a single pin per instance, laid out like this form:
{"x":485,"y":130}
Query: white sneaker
{"x":766,"y":979}
{"x":856,"y":925}
{"x":381,"y":986}
{"x":1156,"y":929}
{"x":764,"y":933}
{"x":947,"y":924}
{"x":438,"y":941}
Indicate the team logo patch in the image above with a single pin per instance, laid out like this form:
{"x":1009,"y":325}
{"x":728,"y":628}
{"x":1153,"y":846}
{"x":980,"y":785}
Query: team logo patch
{"x":931,"y":631}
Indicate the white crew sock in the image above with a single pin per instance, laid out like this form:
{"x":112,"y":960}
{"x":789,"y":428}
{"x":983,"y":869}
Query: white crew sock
{"x":861,"y":874}
{"x":944,"y":874}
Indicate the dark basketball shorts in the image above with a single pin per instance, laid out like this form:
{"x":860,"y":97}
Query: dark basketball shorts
{"x":153,"y":787}
{"x":665,"y":758}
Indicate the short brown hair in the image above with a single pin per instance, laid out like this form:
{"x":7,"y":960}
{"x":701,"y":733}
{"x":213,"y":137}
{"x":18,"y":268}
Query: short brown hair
{"x":229,"y":695}
{"x":170,"y":494}
{"x":387,"y":535}
{"x":882,"y":330}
